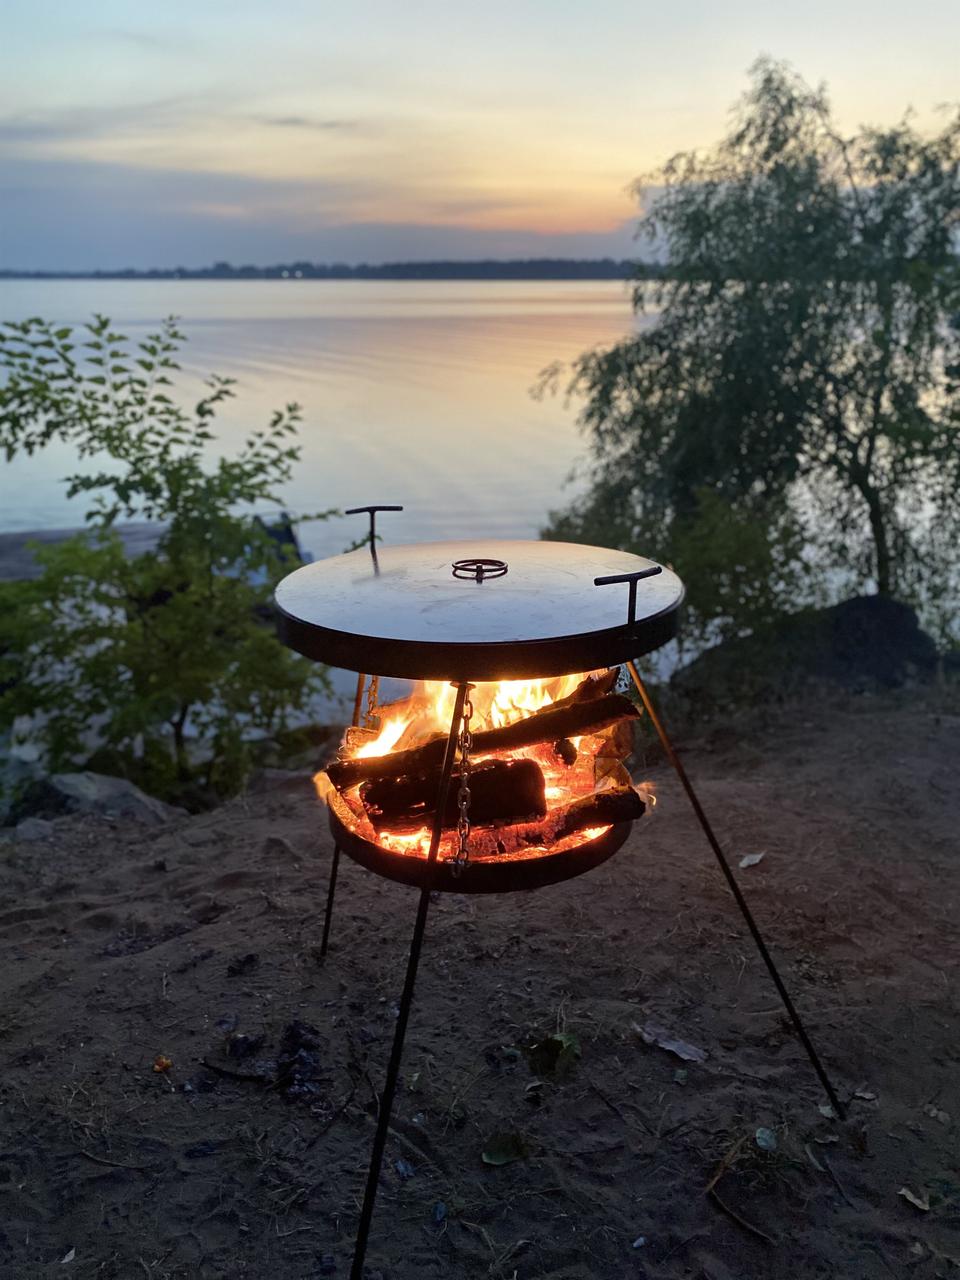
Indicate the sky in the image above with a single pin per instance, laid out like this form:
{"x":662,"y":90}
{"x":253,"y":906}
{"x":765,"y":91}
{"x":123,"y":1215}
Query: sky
{"x":138,"y":135}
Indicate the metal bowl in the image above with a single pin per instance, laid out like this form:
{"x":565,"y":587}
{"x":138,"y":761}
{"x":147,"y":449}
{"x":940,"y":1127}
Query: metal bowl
{"x":480,"y":875}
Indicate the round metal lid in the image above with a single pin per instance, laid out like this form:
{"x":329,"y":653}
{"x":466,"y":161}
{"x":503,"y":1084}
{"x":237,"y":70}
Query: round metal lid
{"x":409,"y":614}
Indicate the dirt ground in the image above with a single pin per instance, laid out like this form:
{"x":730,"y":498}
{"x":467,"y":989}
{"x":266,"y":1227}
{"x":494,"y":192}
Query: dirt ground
{"x":191,"y":941}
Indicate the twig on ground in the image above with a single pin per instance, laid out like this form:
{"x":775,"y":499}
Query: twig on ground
{"x":614,"y":1108}
{"x":247,"y":1076}
{"x":837,"y":1183}
{"x":113,"y":1164}
{"x":735,"y":1217}
{"x":329,"y":1123}
{"x":728,"y":1160}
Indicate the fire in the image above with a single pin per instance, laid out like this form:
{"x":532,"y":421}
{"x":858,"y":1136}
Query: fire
{"x":386,"y":739}
{"x":429,"y":710}
{"x":574,"y":769}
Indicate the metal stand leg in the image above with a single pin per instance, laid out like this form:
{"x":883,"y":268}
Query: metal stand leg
{"x":737,"y":893}
{"x":331,"y":891}
{"x":406,"y":999}
{"x":335,"y":864}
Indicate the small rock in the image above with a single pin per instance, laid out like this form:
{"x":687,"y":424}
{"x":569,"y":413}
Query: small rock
{"x":404,"y":1168}
{"x":935,"y":1113}
{"x":639,"y":1242}
{"x":34,"y":829}
{"x":766,"y":1139}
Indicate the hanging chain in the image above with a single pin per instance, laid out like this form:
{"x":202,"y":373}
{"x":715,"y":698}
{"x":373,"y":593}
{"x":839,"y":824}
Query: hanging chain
{"x":373,"y":691}
{"x":465,"y":742}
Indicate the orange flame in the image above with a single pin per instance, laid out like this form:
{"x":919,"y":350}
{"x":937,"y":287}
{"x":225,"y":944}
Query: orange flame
{"x":427,"y":714}
{"x":429,"y":709}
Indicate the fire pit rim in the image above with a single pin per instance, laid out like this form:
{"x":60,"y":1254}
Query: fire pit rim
{"x":483,"y":660}
{"x":482,"y":875}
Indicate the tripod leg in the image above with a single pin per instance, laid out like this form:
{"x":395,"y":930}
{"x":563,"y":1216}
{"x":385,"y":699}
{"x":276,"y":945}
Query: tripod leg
{"x":737,"y":892}
{"x":406,"y":999}
{"x":331,"y":892}
{"x":335,"y":864}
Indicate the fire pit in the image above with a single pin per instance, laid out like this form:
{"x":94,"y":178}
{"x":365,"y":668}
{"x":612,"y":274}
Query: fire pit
{"x":538,"y":790}
{"x":544,"y":791}
{"x":501,"y":770}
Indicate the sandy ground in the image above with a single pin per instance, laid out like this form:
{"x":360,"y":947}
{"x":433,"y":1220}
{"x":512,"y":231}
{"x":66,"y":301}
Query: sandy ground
{"x":118,"y":944}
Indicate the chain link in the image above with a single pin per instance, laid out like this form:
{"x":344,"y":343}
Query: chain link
{"x":465,"y":742}
{"x":370,"y":718}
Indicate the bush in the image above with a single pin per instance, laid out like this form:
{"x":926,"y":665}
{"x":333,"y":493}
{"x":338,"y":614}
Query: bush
{"x":127,"y":654}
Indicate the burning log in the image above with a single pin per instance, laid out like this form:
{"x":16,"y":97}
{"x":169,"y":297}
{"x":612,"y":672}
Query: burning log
{"x":500,"y":791}
{"x":590,"y":688}
{"x":618,"y":804}
{"x":602,"y":809}
{"x":548,"y":725}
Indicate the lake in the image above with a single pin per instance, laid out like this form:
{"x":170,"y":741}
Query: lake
{"x":413,"y":392}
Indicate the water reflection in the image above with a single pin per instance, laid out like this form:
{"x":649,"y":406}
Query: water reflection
{"x":413,"y":392}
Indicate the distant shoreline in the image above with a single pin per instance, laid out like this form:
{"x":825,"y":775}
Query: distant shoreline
{"x":487,"y":269}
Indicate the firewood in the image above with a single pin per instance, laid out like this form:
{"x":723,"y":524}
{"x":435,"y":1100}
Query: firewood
{"x":500,"y":791}
{"x":601,"y":809}
{"x":618,"y":804}
{"x":590,"y":688}
{"x":547,"y":725}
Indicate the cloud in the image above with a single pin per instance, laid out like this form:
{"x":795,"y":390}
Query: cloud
{"x":304,"y":122}
{"x":79,"y":123}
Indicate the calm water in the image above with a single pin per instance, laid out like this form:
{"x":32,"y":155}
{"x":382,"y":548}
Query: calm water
{"x":413,"y":393}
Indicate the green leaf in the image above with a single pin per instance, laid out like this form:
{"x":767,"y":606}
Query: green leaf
{"x":554,"y":1055}
{"x":504,"y":1148}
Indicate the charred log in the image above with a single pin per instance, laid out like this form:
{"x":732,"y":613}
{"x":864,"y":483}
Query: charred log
{"x":549,"y":725}
{"x":618,"y":804}
{"x":507,"y":791}
{"x":602,"y":809}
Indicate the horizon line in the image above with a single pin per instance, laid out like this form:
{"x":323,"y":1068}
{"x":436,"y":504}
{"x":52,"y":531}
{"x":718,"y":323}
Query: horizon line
{"x":566,"y":267}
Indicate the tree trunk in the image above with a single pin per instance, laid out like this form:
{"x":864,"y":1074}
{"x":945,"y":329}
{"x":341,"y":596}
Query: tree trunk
{"x":180,"y":745}
{"x":881,"y":545}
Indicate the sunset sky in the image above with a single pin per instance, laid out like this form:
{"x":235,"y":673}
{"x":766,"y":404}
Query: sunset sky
{"x":140,"y":135}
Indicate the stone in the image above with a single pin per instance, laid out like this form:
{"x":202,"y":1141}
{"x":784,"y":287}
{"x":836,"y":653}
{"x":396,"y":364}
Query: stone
{"x":110,"y":797}
{"x":34,"y":829}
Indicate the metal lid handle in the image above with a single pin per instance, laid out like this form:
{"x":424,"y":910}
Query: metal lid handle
{"x":372,"y":511}
{"x":632,"y":579}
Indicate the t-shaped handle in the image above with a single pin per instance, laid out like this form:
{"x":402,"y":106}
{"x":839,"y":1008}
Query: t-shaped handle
{"x":632,"y":579}
{"x":355,"y":511}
